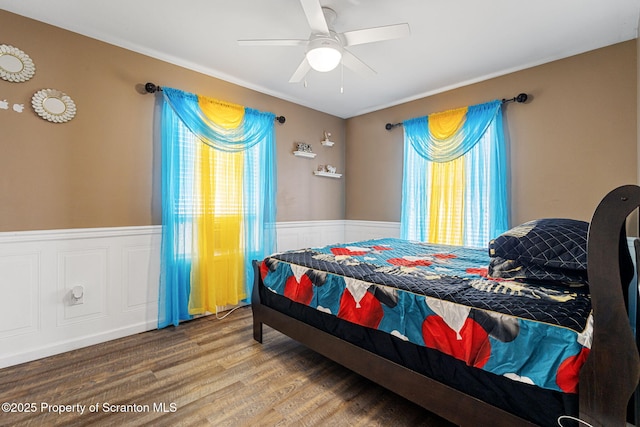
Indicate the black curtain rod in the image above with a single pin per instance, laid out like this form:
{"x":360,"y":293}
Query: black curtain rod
{"x":522,"y":97}
{"x":153,"y":88}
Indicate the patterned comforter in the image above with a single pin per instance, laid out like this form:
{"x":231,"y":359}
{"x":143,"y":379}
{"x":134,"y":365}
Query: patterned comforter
{"x":440,"y":297}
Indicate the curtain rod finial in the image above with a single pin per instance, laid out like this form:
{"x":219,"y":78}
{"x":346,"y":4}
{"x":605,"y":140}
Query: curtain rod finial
{"x":151,"y":88}
{"x":521,"y":98}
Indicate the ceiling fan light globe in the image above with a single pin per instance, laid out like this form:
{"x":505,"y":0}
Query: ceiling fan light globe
{"x":323,"y":58}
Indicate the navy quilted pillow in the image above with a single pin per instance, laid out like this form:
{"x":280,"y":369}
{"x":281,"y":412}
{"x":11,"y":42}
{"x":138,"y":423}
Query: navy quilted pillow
{"x":550,"y":249}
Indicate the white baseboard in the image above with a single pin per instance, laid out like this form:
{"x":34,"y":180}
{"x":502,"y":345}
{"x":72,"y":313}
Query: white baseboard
{"x":26,"y":355}
{"x":119,"y":270}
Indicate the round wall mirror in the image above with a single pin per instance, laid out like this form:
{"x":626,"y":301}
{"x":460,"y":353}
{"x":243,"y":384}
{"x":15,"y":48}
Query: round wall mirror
{"x":15,"y":65}
{"x":53,"y":105}
{"x":10,"y":63}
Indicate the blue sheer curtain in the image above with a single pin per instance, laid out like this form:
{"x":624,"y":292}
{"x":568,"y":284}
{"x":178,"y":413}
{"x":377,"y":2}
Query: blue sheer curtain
{"x":480,"y":140}
{"x":183,"y":126}
{"x":477,"y":121}
{"x":177,"y":185}
{"x":260,"y":198}
{"x":257,"y":126}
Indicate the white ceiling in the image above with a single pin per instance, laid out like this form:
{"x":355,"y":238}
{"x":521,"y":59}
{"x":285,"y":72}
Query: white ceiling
{"x":452,"y":42}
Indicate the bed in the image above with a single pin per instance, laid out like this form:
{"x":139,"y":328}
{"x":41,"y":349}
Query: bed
{"x":524,"y":333}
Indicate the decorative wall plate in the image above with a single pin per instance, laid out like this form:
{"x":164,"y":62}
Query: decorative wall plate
{"x":53,"y":105}
{"x":15,"y":65}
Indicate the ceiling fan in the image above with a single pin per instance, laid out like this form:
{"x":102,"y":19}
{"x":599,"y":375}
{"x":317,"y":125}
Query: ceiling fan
{"x":326,"y":48}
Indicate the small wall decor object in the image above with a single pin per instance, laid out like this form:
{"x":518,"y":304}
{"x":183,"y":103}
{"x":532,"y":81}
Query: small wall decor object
{"x":304,"y":150}
{"x":4,"y":105}
{"x":53,"y":105}
{"x":327,"y":171}
{"x":15,"y":65}
{"x":326,"y":141}
{"x":327,"y":174}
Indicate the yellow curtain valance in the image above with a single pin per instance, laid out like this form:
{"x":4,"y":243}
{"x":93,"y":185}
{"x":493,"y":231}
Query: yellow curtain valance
{"x":224,"y":114}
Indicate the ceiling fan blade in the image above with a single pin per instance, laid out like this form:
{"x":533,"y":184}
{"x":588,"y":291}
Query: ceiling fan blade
{"x":273,"y":42}
{"x":350,"y":61}
{"x":302,"y":71}
{"x":376,"y":34}
{"x":315,"y":16}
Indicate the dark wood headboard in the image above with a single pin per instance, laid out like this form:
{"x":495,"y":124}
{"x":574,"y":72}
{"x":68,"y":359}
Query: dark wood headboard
{"x":612,"y":370}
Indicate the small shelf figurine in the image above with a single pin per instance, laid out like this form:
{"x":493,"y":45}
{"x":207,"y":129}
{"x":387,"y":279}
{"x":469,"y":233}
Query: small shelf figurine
{"x":326,"y":141}
{"x":304,"y":150}
{"x":327,"y":171}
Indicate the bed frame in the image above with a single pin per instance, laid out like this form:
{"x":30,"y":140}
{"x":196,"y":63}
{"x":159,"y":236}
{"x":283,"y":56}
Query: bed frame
{"x":607,"y":380}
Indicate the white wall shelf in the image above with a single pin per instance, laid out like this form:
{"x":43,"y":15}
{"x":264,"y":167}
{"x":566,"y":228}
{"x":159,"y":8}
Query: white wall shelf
{"x":327,"y":143}
{"x":327,"y":174}
{"x":307,"y":154}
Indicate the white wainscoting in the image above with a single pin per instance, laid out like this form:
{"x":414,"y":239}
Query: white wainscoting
{"x":308,"y":234}
{"x":365,"y":230}
{"x":118,"y":269}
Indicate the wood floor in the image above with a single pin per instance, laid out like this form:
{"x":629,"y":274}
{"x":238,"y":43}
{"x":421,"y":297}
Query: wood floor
{"x":204,"y":372}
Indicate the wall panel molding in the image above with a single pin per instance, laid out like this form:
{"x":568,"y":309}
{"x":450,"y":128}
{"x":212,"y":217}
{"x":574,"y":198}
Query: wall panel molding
{"x":20,"y":294}
{"x":87,"y":268}
{"x":364,"y":230}
{"x":38,"y":269}
{"x":307,"y":234}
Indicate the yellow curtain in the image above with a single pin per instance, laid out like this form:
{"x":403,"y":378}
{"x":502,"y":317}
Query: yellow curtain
{"x":224,"y":114}
{"x":446,"y":208}
{"x":218,"y":273}
{"x":443,"y":125}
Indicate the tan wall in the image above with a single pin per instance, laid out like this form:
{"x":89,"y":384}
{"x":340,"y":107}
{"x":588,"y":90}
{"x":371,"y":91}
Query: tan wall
{"x":102,"y":168}
{"x":575,"y":140}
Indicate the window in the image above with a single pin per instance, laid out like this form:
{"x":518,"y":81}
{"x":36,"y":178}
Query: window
{"x":454,"y":183}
